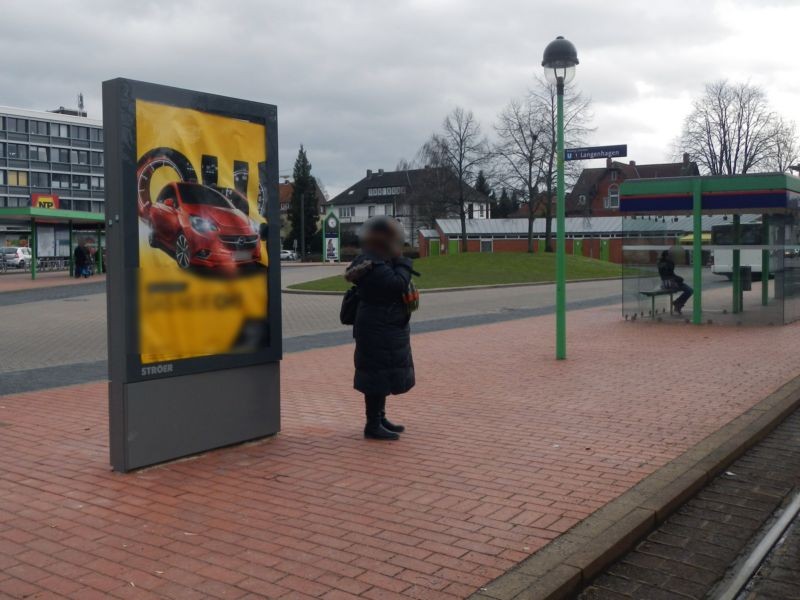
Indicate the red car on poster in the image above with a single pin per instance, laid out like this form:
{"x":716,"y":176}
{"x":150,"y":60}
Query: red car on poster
{"x":201,"y":228}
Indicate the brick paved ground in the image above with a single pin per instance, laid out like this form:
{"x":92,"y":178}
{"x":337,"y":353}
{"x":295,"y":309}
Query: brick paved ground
{"x":692,"y":551}
{"x":506,"y":449}
{"x":12,"y":282}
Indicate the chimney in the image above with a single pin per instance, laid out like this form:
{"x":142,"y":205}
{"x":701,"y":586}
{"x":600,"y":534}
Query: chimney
{"x":632,"y":163}
{"x":369,"y":173}
{"x":380,"y":172}
{"x":686,"y":159}
{"x":608,"y":163}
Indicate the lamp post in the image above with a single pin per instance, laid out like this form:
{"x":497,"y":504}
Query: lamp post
{"x":560,"y":58}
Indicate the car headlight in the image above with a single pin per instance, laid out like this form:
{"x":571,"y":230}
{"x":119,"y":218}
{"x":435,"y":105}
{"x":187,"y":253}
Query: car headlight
{"x":254,"y":226}
{"x":202,"y":225}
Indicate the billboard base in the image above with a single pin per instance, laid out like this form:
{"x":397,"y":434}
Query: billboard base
{"x":173,"y":417}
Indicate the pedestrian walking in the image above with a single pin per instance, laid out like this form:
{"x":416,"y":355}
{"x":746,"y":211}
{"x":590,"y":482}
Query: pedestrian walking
{"x":81,"y":259}
{"x":379,"y":307}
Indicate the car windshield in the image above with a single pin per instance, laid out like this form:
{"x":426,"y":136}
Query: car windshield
{"x":199,"y":194}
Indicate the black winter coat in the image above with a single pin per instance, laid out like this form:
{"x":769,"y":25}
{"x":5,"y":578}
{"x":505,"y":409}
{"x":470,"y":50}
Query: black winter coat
{"x":383,"y":338}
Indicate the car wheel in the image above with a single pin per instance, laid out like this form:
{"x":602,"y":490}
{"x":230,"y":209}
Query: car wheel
{"x":151,"y":239}
{"x":21,"y":264}
{"x":182,"y":252}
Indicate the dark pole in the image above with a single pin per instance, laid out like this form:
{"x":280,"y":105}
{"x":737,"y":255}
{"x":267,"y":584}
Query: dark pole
{"x":303,"y":226}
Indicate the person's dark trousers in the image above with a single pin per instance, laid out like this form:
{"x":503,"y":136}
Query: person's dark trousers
{"x":684,"y":297}
{"x":375,"y":406}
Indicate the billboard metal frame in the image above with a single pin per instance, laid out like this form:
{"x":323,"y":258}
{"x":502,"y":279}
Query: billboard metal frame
{"x":164,"y":411}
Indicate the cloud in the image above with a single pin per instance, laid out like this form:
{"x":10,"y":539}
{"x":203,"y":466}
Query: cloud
{"x":362,"y":83}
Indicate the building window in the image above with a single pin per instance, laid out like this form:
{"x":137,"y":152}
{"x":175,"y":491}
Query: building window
{"x":96,"y":135}
{"x":614,"y":175}
{"x":40,"y":180}
{"x":38,"y":153}
{"x":97,"y":159}
{"x":79,"y":157}
{"x":61,"y":181}
{"x":39,"y":128}
{"x":60,"y":155}
{"x":98,"y":184}
{"x":347,"y":211}
{"x":18,"y":151}
{"x":471,"y":211}
{"x":80,"y":182}
{"x":371,"y":211}
{"x":612,"y":200}
{"x":486,"y":246}
{"x":2,"y":177}
{"x":59,"y":130}
{"x":2,"y":150}
{"x":80,"y":133}
{"x":16,"y":125}
{"x":480,"y":212}
{"x":18,"y":178}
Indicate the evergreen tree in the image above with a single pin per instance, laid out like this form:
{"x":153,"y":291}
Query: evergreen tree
{"x":482,"y":185}
{"x":304,"y":197}
{"x":504,"y":206}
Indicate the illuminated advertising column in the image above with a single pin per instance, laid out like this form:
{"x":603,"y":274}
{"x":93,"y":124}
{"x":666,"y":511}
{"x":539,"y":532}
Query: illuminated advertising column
{"x":330,"y":239}
{"x":194,"y":322}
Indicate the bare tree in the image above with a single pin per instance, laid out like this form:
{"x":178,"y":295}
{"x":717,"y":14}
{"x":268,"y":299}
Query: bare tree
{"x":458,"y":151}
{"x":786,"y":148}
{"x":520,"y":155}
{"x":577,"y":117}
{"x":732,"y":130}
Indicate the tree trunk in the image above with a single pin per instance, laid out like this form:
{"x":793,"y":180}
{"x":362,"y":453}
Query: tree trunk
{"x":531,"y":194}
{"x":463,"y":229}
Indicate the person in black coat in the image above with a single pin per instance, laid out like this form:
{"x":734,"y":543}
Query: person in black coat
{"x":383,"y":361}
{"x":672,"y":281}
{"x":80,"y":258}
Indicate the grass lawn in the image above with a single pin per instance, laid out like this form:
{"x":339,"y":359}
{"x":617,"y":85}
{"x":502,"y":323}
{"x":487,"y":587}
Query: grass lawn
{"x":486,"y":269}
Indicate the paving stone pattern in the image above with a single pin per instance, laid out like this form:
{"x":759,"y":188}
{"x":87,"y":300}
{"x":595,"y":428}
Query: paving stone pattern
{"x":692,"y":551}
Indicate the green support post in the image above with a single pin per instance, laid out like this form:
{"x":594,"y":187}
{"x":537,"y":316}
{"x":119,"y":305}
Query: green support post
{"x":737,"y":274}
{"x":34,"y":252}
{"x":71,"y":264}
{"x":561,"y":288}
{"x":697,"y":251}
{"x":765,"y":261}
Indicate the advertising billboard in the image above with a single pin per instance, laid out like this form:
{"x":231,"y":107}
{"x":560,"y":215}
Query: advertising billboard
{"x":203,"y":262}
{"x":193,"y":291}
{"x":330,"y":238}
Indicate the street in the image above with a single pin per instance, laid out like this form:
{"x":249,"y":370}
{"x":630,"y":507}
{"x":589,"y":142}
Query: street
{"x":72,"y":330}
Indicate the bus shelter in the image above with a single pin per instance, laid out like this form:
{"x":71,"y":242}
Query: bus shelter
{"x":735,"y":239}
{"x":51,"y":221}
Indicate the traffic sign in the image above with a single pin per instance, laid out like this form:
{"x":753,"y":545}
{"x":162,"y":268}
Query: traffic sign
{"x":596,"y":152}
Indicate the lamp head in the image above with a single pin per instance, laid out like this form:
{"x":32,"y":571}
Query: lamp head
{"x":559,"y":61}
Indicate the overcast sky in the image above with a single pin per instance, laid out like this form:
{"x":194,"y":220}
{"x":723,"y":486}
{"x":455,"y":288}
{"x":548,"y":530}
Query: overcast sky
{"x":362,"y":83}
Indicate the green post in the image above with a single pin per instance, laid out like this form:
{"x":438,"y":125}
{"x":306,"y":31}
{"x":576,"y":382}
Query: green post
{"x":737,"y":275}
{"x":697,"y":251}
{"x":561,"y":288}
{"x":71,"y":264}
{"x":33,"y":249}
{"x":765,"y":261}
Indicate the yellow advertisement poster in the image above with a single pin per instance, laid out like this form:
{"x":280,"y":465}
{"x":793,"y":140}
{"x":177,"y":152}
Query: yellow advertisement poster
{"x":203,"y":261}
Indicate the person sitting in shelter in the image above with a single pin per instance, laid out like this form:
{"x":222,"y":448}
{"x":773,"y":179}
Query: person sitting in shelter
{"x":672,"y":281}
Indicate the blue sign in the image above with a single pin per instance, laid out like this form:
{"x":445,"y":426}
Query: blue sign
{"x":596,"y":152}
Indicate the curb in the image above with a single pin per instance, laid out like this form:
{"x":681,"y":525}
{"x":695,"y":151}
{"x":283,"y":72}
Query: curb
{"x":457,"y":289}
{"x":566,"y":565}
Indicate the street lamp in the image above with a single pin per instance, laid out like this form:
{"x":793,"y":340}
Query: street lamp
{"x":560,"y":58}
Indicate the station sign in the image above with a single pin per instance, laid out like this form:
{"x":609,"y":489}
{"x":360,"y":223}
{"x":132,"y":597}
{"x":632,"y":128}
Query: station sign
{"x":592,"y":152}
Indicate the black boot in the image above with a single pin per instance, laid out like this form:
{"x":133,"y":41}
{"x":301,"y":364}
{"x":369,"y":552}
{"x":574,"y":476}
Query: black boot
{"x":374,"y":429}
{"x":387,"y":424}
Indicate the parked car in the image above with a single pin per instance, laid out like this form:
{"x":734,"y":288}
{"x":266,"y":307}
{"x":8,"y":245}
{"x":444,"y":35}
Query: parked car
{"x":19,"y":257}
{"x":201,"y":227}
{"x":288,"y":255}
